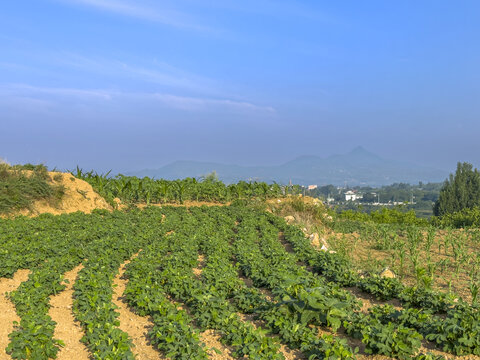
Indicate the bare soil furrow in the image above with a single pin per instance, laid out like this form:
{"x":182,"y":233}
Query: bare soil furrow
{"x":7,"y":310}
{"x":212,"y":340}
{"x":134,"y":325}
{"x":67,"y":329}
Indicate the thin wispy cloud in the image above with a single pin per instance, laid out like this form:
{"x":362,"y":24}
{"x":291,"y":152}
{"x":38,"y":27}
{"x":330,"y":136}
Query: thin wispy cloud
{"x":136,"y":9}
{"x":198,"y":104}
{"x":157,"y":73}
{"x":275,"y":8}
{"x":161,"y":77}
{"x":24,"y":89}
{"x":116,"y":98}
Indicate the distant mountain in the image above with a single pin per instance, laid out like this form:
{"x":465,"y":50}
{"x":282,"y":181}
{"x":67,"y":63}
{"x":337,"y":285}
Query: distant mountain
{"x":358,"y":167}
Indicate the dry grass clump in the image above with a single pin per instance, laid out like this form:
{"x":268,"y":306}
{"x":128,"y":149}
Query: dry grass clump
{"x":307,"y":211}
{"x":22,"y":185}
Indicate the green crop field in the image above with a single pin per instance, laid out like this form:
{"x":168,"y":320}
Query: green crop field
{"x":244,"y":273}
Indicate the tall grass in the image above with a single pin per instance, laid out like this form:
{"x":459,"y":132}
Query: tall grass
{"x":22,"y":185}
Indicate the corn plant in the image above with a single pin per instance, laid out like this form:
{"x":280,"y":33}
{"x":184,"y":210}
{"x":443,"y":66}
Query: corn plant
{"x":429,"y":240}
{"x":414,"y":239}
{"x":474,"y":287}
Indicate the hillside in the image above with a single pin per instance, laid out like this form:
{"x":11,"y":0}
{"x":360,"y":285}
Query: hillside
{"x":38,"y":192}
{"x":79,"y":196}
{"x":357,"y":167}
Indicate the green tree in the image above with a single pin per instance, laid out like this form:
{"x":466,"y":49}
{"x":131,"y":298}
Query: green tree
{"x":460,"y":191}
{"x":211,"y":177}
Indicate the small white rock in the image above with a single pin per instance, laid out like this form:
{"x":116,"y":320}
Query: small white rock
{"x":387,"y":273}
{"x":289,"y":219}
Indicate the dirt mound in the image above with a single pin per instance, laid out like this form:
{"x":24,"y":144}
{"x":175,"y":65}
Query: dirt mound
{"x":307,"y":200}
{"x":79,"y":196}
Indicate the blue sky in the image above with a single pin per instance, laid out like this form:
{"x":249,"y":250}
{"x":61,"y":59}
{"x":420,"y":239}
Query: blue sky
{"x":126,"y":85}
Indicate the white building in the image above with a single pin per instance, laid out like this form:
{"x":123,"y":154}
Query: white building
{"x":351,"y":196}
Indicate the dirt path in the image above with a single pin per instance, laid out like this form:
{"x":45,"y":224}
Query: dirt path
{"x":67,"y":329}
{"x":288,"y":353}
{"x":197,"y":271}
{"x":134,"y":325}
{"x":7,"y":310}
{"x":212,"y":340}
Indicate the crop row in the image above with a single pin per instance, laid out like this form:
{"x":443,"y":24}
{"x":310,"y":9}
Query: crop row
{"x":455,"y":331}
{"x":184,"y":297}
{"x":146,"y":190}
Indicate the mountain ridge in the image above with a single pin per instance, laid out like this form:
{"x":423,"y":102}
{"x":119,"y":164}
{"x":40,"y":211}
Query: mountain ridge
{"x":356,"y":167}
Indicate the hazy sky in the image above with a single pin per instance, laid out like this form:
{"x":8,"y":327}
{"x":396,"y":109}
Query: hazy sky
{"x":126,"y":85}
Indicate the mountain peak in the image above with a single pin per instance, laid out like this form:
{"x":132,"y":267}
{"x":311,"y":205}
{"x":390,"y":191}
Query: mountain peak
{"x":360,"y":150}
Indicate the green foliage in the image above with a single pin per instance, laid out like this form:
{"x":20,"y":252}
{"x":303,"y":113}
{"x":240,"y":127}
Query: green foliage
{"x":298,"y":204}
{"x":384,"y":216}
{"x":335,"y":268}
{"x":18,"y":190}
{"x":428,"y":356}
{"x":382,"y":288}
{"x":460,"y":191}
{"x":458,"y":332}
{"x":336,"y":348}
{"x":427,"y":299}
{"x":315,"y":306}
{"x":146,"y":190}
{"x":396,"y":332}
{"x":423,"y":195}
{"x":211,"y":177}
{"x":388,"y":339}
{"x":468,"y":217}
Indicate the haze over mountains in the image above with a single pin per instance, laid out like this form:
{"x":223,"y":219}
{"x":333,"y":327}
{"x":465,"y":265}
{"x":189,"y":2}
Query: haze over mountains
{"x":357,"y":167}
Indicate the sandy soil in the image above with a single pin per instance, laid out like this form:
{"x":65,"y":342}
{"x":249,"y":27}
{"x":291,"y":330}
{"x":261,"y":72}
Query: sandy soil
{"x":7,"y":313}
{"x":197,"y":271}
{"x":212,"y":340}
{"x":79,"y":196}
{"x":134,"y":325}
{"x":67,"y":329}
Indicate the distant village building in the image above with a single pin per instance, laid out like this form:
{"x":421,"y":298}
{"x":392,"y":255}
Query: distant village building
{"x":312,"y":187}
{"x":352,"y":196}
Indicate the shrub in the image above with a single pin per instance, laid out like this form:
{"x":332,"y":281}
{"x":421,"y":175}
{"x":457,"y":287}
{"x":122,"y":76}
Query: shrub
{"x":19,"y":189}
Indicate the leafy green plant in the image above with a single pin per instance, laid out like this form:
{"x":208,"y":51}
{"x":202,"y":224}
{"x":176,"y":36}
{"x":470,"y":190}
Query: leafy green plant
{"x":388,"y":339}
